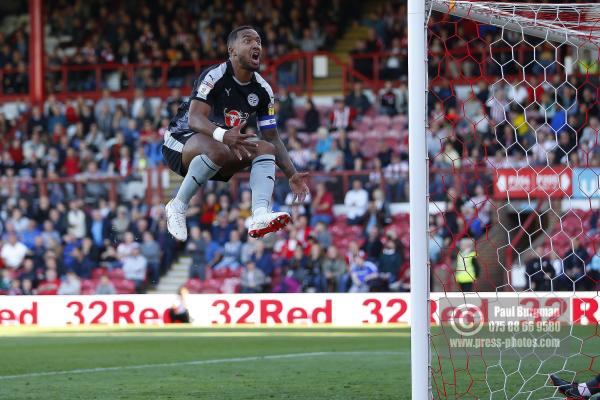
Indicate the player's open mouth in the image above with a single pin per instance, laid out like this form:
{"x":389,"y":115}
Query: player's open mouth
{"x":255,"y":56}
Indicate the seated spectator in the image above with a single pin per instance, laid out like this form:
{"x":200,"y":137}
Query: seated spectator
{"x":286,"y":107}
{"x":341,"y":117}
{"x":70,"y":284}
{"x":28,"y":235}
{"x":252,"y":279}
{"x":322,"y":235}
{"x":540,"y":271}
{"x":152,"y":252}
{"x":390,"y":261}
{"x":332,"y":159}
{"x":356,"y":202}
{"x":221,"y":232}
{"x":231,"y":252}
{"x":134,"y":268}
{"x":593,"y":268}
{"x":334,"y":267}
{"x":372,"y":246}
{"x":27,"y":287}
{"x":574,"y":262}
{"x":314,"y":280}
{"x":358,"y":100}
{"x":388,"y":101}
{"x":15,"y":288}
{"x":105,"y":286}
{"x":362,"y":272}
{"x":13,"y":252}
{"x":5,"y":281}
{"x":50,"y":285}
{"x":312,"y":118}
{"x":196,"y":248}
{"x":263,"y":259}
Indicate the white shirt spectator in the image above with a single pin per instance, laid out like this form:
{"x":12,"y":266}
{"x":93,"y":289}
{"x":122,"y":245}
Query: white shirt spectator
{"x":71,"y":285}
{"x":134,"y":267}
{"x":13,"y":253}
{"x":356,"y":201}
{"x":76,"y":220}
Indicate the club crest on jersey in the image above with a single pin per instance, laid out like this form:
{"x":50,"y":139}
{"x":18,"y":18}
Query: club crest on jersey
{"x":253,"y":99}
{"x":234,"y":117}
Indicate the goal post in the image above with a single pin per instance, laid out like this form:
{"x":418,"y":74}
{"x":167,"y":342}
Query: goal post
{"x":504,"y":168}
{"x":419,"y":200}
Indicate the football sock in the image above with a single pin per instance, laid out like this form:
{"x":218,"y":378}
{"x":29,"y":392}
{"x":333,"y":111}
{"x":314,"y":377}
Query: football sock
{"x":262,"y":182}
{"x":200,"y":170}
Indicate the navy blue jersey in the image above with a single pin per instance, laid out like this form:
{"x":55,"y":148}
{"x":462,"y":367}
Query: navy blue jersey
{"x":232,"y":102}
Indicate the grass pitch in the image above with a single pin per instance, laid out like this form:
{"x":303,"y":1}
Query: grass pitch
{"x":278,"y":363}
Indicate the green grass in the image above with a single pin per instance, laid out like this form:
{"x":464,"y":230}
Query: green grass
{"x":150,"y":363}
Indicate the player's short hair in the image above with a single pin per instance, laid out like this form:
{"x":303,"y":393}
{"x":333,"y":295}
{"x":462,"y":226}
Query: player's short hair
{"x":234,"y":34}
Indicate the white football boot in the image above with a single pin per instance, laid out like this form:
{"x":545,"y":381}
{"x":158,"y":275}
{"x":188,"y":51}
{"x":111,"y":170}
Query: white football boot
{"x":268,"y":222}
{"x":176,"y":223}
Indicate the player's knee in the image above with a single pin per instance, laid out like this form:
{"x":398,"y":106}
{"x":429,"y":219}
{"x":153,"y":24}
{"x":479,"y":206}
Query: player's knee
{"x":219,"y":155}
{"x":265,"y":147}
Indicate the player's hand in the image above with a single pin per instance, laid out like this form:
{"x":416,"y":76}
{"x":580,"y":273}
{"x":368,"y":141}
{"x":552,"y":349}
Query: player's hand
{"x":299,"y":186}
{"x":238,"y":141}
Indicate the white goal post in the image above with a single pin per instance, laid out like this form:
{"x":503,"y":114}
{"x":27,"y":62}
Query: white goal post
{"x":573,"y":24}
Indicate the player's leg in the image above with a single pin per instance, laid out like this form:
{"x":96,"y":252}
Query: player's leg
{"x":262,"y":183}
{"x":200,"y":158}
{"x":204,"y":158}
{"x":577,"y":391}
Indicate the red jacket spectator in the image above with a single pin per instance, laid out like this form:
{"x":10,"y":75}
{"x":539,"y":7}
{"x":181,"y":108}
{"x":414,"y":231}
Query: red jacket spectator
{"x":71,"y":163}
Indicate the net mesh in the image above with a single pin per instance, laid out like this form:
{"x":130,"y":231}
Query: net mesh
{"x":513,"y":113}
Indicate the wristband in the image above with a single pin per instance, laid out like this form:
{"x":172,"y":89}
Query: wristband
{"x":218,"y":134}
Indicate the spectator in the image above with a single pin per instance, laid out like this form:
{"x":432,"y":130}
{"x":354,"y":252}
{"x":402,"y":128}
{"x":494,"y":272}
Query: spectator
{"x":105,"y":286}
{"x":362,"y":272}
{"x":334,"y":267}
{"x":322,"y":235}
{"x":593,"y":268}
{"x":13,"y":252}
{"x":77,"y":220}
{"x":574,"y":262}
{"x":390,"y":260}
{"x":467,"y":267}
{"x":312,"y":118}
{"x":134,"y":268}
{"x":356,"y":202}
{"x":322,"y":206}
{"x":540,"y":272}
{"x":70,"y":285}
{"x":231,"y":252}
{"x":179,"y":311}
{"x":314,"y":280}
{"x":152,"y":252}
{"x":263,"y":259}
{"x":342,"y":116}
{"x":373,"y":246}
{"x":196,"y":247}
{"x":50,"y":285}
{"x":388,"y":100}
{"x":252,"y":279}
{"x":286,"y":107}
{"x":358,"y":100}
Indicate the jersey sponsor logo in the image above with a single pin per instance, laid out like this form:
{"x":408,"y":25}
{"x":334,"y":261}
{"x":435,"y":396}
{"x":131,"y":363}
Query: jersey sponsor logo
{"x":204,"y":90}
{"x":235,"y":117}
{"x":253,"y":99}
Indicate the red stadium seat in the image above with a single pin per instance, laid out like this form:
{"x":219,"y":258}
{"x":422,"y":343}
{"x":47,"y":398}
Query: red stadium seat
{"x":116,"y":273}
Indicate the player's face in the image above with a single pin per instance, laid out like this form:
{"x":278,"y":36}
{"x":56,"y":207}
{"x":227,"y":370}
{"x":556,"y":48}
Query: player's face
{"x":248,"y":49}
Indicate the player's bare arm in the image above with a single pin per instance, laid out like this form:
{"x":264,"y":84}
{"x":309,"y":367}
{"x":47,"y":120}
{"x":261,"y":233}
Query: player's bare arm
{"x":297,"y":179}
